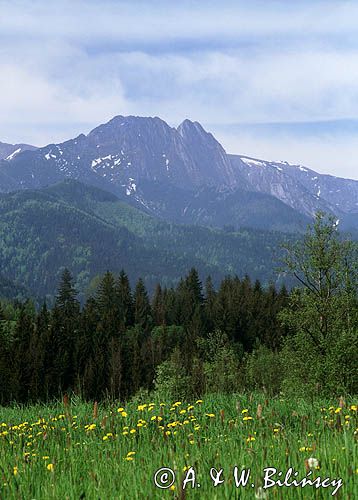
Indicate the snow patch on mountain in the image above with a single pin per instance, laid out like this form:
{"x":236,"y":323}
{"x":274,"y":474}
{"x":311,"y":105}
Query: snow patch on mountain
{"x":252,"y":162}
{"x":10,"y":157}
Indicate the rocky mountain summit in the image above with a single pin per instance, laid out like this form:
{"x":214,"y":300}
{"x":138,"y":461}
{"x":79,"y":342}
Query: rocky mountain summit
{"x":182,"y":174}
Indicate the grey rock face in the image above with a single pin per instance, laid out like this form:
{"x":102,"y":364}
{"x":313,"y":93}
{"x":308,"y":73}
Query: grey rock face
{"x":181,"y":174}
{"x":299,"y":187}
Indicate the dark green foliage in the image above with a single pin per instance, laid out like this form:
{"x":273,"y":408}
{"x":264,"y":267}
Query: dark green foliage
{"x":90,"y":231}
{"x":186,"y":340}
{"x":142,"y":309}
{"x":114,"y":345}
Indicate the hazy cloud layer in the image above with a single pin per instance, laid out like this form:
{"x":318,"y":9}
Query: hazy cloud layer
{"x":68,"y":67}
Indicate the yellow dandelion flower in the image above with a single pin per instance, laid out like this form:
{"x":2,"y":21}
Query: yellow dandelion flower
{"x":211,"y":415}
{"x":50,"y":467}
{"x":16,"y":470}
{"x":199,"y":401}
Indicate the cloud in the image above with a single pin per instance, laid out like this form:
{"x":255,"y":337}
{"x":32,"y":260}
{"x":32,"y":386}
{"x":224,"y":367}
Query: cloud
{"x":68,"y":66}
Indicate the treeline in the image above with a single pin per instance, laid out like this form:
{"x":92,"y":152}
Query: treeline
{"x":114,"y":345}
{"x":193,"y":339}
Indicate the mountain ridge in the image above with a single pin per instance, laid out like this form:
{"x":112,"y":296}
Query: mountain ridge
{"x":142,"y":159}
{"x":90,"y":231}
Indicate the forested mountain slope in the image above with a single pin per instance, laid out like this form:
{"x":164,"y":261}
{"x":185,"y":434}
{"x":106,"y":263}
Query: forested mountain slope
{"x":90,"y":231}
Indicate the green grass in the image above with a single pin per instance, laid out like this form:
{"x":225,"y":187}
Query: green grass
{"x":67,"y":452}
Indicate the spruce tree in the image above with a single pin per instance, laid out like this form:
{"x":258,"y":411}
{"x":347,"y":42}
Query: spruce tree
{"x":125,"y":301}
{"x":142,"y":309}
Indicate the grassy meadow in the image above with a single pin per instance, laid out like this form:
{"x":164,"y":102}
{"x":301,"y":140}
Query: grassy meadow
{"x":75,"y":450}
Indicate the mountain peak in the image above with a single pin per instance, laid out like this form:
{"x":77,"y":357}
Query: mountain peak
{"x":187,"y":126}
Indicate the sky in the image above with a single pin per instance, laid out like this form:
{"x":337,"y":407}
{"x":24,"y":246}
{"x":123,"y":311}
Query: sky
{"x":276,"y":80}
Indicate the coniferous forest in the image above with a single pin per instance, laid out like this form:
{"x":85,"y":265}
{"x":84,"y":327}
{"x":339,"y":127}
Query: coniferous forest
{"x":194,"y":338}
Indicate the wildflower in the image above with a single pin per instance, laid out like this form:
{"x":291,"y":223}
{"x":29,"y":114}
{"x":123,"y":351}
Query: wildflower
{"x":250,"y":438}
{"x":50,"y":467}
{"x":199,"y":401}
{"x":16,"y":470}
{"x":124,"y":414}
{"x":120,"y":410}
{"x":211,"y":415}
{"x":45,"y":457}
{"x":313,"y":463}
{"x":133,"y":431}
{"x":245,"y":419}
{"x":172,"y":487}
{"x":245,"y":410}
